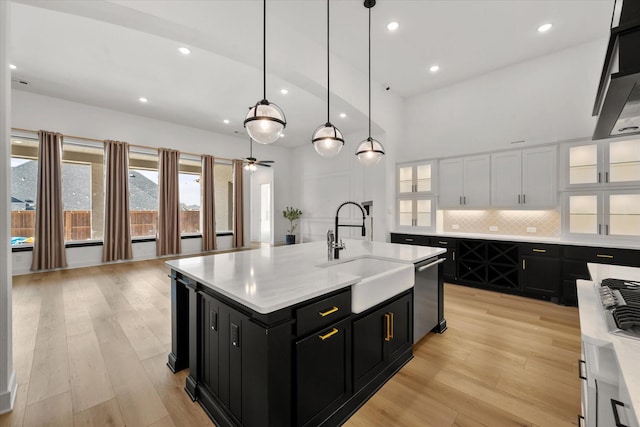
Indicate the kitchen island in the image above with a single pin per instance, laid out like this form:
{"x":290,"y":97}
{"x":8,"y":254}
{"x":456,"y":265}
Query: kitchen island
{"x":270,"y":337}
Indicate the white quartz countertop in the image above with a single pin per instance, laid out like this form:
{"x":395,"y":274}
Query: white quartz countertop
{"x":621,"y":244}
{"x":272,"y":278}
{"x":594,"y":328}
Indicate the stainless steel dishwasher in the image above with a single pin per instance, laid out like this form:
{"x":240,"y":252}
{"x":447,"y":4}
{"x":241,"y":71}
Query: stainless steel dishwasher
{"x":427,"y":298}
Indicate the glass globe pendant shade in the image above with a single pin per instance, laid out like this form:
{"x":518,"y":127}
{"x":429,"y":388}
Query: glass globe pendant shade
{"x":327,"y":140}
{"x":369,"y":152}
{"x":265,"y":122}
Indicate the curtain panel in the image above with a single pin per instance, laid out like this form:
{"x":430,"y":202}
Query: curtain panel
{"x":117,"y":219}
{"x":168,"y":239}
{"x":208,"y":215}
{"x":238,"y":207}
{"x":48,"y":245}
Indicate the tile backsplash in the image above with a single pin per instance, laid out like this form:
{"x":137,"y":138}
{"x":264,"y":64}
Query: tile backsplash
{"x":505,"y":222}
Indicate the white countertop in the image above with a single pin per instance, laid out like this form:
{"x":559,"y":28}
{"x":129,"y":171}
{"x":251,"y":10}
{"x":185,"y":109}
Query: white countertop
{"x":594,"y":328}
{"x":272,"y":278}
{"x":621,"y":244}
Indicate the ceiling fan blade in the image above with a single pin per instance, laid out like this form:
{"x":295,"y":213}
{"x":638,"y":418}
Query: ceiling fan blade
{"x":262,"y":164}
{"x":266,"y":161}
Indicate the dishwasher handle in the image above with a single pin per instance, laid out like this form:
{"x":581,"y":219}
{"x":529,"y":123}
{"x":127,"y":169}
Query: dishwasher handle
{"x":431,"y":264}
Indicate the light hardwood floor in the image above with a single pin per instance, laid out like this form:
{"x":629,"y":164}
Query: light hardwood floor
{"x":91,"y":345}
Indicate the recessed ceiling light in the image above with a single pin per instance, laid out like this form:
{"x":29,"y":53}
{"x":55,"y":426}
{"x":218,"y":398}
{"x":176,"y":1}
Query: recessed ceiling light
{"x":392,"y":26}
{"x":226,"y":121}
{"x":343,"y":115}
{"x":284,"y":91}
{"x":434,"y":68}
{"x":544,"y":28}
{"x":143,"y":100}
{"x":184,"y":50}
{"x":13,"y":67}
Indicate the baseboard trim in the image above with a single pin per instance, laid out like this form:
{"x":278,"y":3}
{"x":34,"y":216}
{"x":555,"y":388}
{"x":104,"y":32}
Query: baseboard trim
{"x":8,"y":398}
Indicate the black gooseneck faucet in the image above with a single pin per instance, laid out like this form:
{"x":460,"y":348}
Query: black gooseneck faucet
{"x":339,"y":246}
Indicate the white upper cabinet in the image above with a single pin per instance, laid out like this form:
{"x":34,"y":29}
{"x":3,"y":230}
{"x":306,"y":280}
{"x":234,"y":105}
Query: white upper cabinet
{"x":416,"y":177}
{"x":464,"y":182}
{"x":611,"y":214}
{"x":602,"y":163}
{"x":524,"y":179}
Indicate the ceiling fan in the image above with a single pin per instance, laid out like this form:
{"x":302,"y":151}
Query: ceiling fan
{"x":251,"y":163}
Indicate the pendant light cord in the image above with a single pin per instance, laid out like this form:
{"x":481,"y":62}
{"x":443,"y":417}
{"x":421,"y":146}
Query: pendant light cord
{"x":370,"y":74}
{"x":328,"y":72}
{"x":264,"y":49}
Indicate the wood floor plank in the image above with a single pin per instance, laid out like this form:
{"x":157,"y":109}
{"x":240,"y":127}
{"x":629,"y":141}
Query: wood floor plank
{"x":54,"y":411}
{"x":90,"y":383}
{"x":106,"y":414}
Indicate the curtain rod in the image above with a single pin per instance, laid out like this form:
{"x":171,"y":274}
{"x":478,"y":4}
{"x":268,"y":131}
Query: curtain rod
{"x":131,"y":145}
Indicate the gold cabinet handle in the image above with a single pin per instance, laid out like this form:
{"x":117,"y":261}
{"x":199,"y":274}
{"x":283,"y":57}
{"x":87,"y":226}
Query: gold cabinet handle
{"x":524,"y":265}
{"x":392,"y":328}
{"x":328,"y":312}
{"x":604,"y":256}
{"x":540,"y":250}
{"x":328,"y":335}
{"x":388,"y":321}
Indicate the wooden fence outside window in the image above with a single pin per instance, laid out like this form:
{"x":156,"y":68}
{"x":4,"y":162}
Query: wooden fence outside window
{"x":77,"y":224}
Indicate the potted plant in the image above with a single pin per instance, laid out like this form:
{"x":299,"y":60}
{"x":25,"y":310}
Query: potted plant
{"x":292,"y":214}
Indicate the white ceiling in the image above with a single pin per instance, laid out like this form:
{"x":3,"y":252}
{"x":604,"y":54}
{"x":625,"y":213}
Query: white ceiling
{"x":110,"y":53}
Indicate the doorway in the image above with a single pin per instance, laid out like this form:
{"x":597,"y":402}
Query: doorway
{"x":265,"y":213}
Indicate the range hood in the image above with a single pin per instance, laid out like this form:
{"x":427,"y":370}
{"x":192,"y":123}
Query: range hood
{"x":618,"y":100}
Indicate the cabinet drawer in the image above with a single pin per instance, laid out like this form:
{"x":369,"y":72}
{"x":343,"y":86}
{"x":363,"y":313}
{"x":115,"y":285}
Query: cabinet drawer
{"x":603,"y":255}
{"x":442,"y":242}
{"x":531,"y":249}
{"x":322,"y":313}
{"x":410,"y":239}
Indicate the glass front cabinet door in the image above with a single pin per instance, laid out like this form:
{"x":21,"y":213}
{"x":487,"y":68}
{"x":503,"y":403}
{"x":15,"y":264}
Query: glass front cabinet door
{"x":613,"y":214}
{"x":415,"y":177}
{"x":603,"y":163}
{"x":415,"y":213}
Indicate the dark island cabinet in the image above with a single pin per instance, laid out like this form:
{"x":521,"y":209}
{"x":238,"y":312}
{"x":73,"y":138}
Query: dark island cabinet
{"x":381,"y":337}
{"x":292,"y":367}
{"x":323,"y":373}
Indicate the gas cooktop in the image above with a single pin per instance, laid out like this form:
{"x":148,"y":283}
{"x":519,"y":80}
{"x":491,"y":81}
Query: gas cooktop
{"x":621,"y":301}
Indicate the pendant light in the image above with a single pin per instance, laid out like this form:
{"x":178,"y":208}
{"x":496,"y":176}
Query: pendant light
{"x":327,"y":139}
{"x":369,"y":151}
{"x":265,"y":121}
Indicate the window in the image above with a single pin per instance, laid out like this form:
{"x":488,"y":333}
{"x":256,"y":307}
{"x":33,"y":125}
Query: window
{"x":143,"y":194}
{"x":189,"y":183}
{"x":24,"y":177}
{"x":223,"y":177}
{"x":83,"y":191}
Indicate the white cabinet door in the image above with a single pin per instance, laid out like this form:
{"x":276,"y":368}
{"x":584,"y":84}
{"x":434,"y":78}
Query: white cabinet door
{"x":477,"y":182}
{"x":415,"y":177}
{"x":450,"y":183}
{"x":622,"y":214}
{"x":539,"y":184}
{"x":601,"y":164}
{"x":415,"y":213}
{"x":506,"y":179}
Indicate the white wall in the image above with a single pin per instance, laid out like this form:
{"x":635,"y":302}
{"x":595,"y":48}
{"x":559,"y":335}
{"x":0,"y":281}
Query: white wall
{"x":543,"y":100}
{"x":31,"y":111}
{"x":8,"y":383}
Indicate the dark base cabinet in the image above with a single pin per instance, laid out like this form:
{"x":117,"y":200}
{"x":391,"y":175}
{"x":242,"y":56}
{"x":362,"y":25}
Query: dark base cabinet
{"x":311,"y":364}
{"x":543,"y":271}
{"x":381,"y":336}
